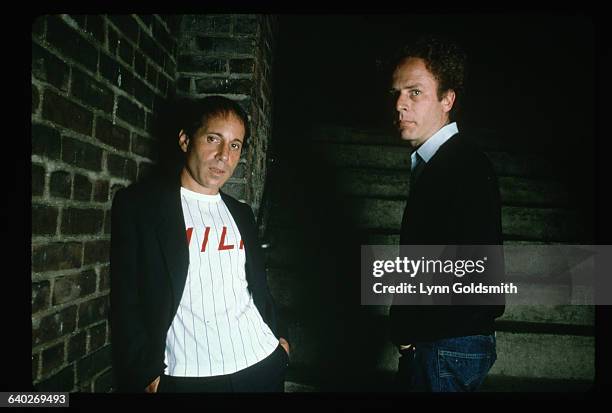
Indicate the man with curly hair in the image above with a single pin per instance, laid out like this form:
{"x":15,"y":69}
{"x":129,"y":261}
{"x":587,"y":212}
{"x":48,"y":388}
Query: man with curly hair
{"x":453,"y":200}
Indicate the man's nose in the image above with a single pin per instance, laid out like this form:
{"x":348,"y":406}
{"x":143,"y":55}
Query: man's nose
{"x":400,"y":103}
{"x":223,"y":152}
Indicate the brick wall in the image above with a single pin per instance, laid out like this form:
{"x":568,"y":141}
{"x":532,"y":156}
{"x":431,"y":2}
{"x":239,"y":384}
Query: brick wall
{"x":96,"y":84}
{"x":231,"y":55}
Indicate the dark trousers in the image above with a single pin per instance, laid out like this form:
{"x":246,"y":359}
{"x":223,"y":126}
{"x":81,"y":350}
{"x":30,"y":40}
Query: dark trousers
{"x":458,"y":364}
{"x":268,"y":375}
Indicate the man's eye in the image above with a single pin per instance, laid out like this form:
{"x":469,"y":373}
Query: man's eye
{"x":235,"y":146}
{"x":211,"y":138}
{"x":415,"y":92}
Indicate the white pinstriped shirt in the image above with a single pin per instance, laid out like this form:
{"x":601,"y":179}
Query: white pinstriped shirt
{"x":217,"y":328}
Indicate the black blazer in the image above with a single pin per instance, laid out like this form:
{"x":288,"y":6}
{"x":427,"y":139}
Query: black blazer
{"x":455,"y":201}
{"x":148,"y":270}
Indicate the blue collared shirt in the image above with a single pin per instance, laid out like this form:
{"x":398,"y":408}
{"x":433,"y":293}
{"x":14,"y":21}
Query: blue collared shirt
{"x":429,"y":148}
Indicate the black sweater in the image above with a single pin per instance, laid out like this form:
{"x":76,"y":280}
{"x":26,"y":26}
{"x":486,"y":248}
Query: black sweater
{"x":455,"y":201}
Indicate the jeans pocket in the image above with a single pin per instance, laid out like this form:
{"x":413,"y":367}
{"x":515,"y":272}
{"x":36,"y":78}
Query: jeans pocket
{"x":463,"y":371}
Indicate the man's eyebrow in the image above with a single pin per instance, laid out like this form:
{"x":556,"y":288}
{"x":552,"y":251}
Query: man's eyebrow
{"x":411,"y":86}
{"x":215,"y":133}
{"x":222,"y":136}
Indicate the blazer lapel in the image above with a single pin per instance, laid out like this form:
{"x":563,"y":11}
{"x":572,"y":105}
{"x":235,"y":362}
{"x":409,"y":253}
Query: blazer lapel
{"x":242,"y":221}
{"x":172,"y":239}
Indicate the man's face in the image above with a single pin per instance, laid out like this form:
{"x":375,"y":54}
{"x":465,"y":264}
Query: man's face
{"x":212,"y":154}
{"x":420,"y":113}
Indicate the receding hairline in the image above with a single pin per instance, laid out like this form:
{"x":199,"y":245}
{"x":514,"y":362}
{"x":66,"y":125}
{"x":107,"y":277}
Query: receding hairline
{"x":223,"y":114}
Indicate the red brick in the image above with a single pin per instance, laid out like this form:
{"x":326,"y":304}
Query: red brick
{"x":77,"y":346}
{"x":97,"y":336}
{"x":66,"y":113}
{"x":101,"y":191}
{"x":82,"y":188}
{"x":38,"y":180}
{"x":35,"y":366}
{"x":61,"y":381}
{"x":57,"y":256}
{"x":72,"y":287}
{"x":41,"y":296}
{"x":96,"y":252}
{"x":52,"y":358}
{"x":93,"y":311}
{"x":44,"y":220}
{"x":104,"y":283}
{"x":53,"y":326}
{"x":60,"y":184}
{"x":46,"y":141}
{"x":82,"y":221}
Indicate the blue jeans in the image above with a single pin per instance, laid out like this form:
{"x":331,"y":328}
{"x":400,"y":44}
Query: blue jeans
{"x":458,"y":364}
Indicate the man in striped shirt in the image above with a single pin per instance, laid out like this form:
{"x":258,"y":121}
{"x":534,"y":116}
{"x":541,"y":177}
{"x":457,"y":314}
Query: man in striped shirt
{"x":190,"y":306}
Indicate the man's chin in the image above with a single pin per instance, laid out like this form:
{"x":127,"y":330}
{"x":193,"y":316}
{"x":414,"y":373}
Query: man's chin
{"x":409,"y":138}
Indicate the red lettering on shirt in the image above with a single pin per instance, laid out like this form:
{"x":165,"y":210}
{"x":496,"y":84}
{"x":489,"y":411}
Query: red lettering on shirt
{"x":222,"y":245}
{"x":189,"y":231}
{"x":205,"y":239}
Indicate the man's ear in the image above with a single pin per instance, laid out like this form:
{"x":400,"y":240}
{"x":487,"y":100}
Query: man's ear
{"x":448,"y":100}
{"x":183,"y":141}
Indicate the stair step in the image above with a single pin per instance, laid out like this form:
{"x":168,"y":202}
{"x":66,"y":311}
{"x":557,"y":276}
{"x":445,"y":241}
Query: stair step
{"x":510,"y":164}
{"x":395,"y":184}
{"x":532,"y":192}
{"x":547,"y":356}
{"x":372,"y":213}
{"x":551,"y":356}
{"x":498,"y":383}
{"x":348,"y":155}
{"x":484,"y":139}
{"x":373,"y":183}
{"x":350,"y":135}
{"x":560,"y":315}
{"x":362,"y":156}
{"x":545,"y":224}
{"x":518,"y":222}
{"x":293,"y":387}
{"x":524,"y":223}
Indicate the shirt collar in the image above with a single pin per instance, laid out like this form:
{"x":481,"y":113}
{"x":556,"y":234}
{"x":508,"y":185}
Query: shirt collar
{"x":429,"y":148}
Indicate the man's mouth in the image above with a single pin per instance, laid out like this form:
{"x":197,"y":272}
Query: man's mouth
{"x":216,"y":171}
{"x":405,"y":123}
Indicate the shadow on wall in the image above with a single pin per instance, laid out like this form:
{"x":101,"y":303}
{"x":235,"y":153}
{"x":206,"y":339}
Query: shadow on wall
{"x":337,"y":341}
{"x":166,"y":127}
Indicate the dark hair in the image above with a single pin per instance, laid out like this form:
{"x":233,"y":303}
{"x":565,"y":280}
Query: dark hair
{"x":194,"y":113}
{"x":446,"y":61}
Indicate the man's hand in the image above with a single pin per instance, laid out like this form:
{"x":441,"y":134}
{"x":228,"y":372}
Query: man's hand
{"x":285,"y":344}
{"x":152,"y":388}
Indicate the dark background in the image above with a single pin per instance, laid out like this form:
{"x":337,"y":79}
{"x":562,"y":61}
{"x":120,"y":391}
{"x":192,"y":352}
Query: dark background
{"x":528,"y":75}
{"x":530,"y":91}
{"x":530,"y":85}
